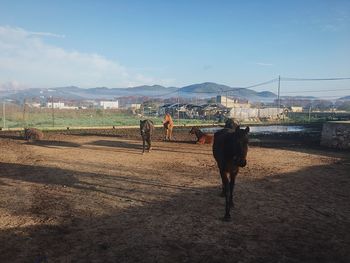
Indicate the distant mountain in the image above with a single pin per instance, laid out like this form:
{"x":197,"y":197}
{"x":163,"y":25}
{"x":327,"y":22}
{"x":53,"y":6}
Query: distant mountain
{"x":206,"y":87}
{"x":210,"y":89}
{"x":20,"y":95}
{"x":267,"y":94}
{"x":345,"y":98}
{"x":200,"y":90}
{"x":299,"y":97}
{"x":106,"y":93}
{"x":76,"y":93}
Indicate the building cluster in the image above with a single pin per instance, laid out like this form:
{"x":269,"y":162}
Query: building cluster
{"x":223,"y":107}
{"x":218,"y":109}
{"x":74,"y":105}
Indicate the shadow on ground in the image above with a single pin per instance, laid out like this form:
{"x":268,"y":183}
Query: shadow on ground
{"x":303,"y":216}
{"x":54,"y":143}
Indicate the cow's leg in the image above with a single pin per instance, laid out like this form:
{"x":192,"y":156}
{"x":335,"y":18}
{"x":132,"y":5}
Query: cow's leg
{"x":165,"y":134}
{"x":226,"y":190}
{"x":232,"y":186}
{"x":233,"y":175}
{"x":223,"y":191}
{"x":222,"y":174}
{"x":170,"y":129}
{"x":143,"y":144}
{"x":149,"y":143}
{"x":227,"y":216}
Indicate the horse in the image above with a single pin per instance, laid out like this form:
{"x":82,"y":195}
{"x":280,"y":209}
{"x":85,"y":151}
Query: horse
{"x":231,"y":123}
{"x":146,"y":130}
{"x":32,"y":134}
{"x":230,"y":150}
{"x":202,"y":137}
{"x":168,"y":131}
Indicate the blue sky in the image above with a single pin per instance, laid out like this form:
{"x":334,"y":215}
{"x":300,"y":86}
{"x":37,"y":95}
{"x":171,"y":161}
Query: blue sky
{"x":174,"y":43}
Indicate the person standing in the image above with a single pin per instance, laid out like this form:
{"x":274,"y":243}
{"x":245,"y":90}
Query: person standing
{"x":168,"y":126}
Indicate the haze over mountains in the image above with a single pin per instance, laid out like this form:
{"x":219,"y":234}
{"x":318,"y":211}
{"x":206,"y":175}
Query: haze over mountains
{"x":202,"y":90}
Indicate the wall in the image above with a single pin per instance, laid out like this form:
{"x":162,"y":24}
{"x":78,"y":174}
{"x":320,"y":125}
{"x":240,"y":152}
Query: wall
{"x":231,"y":103}
{"x":244,"y":114}
{"x":336,"y":134}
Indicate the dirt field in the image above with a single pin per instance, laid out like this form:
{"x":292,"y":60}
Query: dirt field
{"x":95,"y":198}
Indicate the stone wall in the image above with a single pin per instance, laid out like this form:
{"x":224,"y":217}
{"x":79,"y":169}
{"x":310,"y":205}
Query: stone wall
{"x":336,"y":134}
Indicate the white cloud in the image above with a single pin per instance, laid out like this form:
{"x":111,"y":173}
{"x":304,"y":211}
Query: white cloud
{"x":263,"y":64}
{"x":27,"y":61}
{"x":330,"y":28}
{"x":46,"y":34}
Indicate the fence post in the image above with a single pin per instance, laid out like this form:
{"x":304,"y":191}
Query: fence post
{"x":178,"y":108}
{"x":3,"y":113}
{"x":53,"y":113}
{"x":24,"y":113}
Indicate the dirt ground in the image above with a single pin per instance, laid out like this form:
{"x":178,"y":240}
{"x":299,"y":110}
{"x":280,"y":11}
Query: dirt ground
{"x":93,"y":198}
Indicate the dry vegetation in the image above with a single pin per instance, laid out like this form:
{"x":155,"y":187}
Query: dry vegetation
{"x":91,"y":198}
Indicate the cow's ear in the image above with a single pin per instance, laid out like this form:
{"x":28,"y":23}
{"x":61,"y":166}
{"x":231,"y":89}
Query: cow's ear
{"x":247,"y":130}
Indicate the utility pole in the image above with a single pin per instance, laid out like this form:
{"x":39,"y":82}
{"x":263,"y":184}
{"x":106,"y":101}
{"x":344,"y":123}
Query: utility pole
{"x":310,"y":112}
{"x":24,"y":113}
{"x":178,"y":108}
{"x":3,"y":113}
{"x":278,"y":93}
{"x":53,"y":113}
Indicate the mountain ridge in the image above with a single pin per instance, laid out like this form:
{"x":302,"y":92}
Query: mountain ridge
{"x":198,"y":90}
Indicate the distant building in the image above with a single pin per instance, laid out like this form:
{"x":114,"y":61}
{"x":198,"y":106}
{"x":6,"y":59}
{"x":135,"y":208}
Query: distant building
{"x":251,"y":113}
{"x":60,"y":105}
{"x":55,"y":105}
{"x":34,"y":104}
{"x":107,"y":104}
{"x":134,"y":106}
{"x":296,"y":109}
{"x":231,"y":103}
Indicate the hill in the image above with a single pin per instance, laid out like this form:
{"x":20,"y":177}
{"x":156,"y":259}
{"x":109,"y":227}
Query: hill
{"x":199,"y":90}
{"x":210,"y":89}
{"x":345,"y":98}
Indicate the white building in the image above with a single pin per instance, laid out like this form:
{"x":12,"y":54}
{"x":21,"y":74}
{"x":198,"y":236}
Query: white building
{"x":296,"y":109}
{"x":247,"y":113}
{"x":60,"y":105}
{"x":34,"y":104}
{"x":231,"y":103}
{"x":55,"y":105}
{"x":134,"y":106}
{"x":108,"y":104}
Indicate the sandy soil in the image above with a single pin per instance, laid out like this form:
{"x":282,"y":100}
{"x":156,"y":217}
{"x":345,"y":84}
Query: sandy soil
{"x":98,"y":199}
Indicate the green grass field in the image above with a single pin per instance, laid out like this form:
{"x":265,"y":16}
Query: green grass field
{"x":44,"y":119}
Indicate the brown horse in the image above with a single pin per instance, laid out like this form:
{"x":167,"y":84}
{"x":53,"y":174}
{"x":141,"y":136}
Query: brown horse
{"x":202,"y":137}
{"x":168,"y":131}
{"x":230,"y":150}
{"x":146,"y":130}
{"x":32,"y":134}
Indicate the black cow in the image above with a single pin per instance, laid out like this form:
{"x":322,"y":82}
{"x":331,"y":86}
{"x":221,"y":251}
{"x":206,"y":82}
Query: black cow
{"x":230,"y":150}
{"x":146,"y":130}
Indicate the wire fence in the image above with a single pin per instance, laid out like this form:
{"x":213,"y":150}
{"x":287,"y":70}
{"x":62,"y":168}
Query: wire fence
{"x":19,"y":116}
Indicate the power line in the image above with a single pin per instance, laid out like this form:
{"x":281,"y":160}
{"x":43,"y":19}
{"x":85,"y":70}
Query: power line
{"x":214,"y":92}
{"x":306,"y":91}
{"x":309,"y":97}
{"x":235,"y":88}
{"x":258,"y":85}
{"x":308,"y":79}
